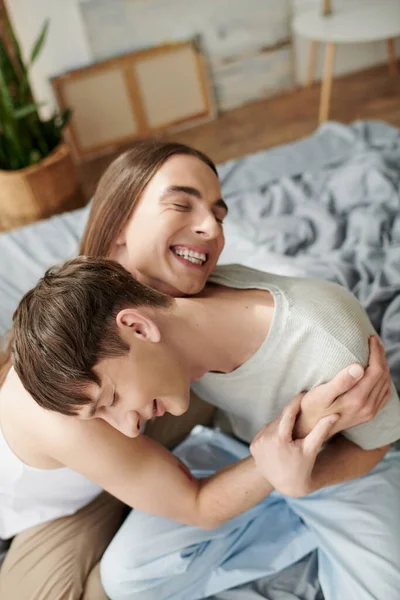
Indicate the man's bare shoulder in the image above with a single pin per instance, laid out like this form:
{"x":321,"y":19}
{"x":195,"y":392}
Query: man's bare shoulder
{"x":39,"y":436}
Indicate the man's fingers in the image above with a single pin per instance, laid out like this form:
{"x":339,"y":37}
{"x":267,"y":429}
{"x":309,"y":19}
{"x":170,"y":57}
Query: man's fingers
{"x":376,"y":351}
{"x":288,"y":418}
{"x":346,"y":379}
{"x":377,"y":363}
{"x":343,"y":381}
{"x":384,"y":397}
{"x":377,"y":389}
{"x":318,"y":435}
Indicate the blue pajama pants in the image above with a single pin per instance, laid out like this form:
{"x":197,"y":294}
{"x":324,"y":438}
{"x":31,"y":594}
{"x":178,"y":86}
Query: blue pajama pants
{"x":354,"y":526}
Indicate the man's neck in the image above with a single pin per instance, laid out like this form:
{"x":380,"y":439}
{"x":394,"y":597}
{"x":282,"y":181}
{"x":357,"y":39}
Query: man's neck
{"x":219,"y":330}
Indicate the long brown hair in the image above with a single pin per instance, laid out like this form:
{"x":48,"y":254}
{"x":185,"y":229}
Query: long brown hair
{"x":120,"y":188}
{"x":66,"y":324}
{"x":118,"y":191}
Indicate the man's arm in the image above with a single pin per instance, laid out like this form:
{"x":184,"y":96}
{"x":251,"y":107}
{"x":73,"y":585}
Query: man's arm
{"x":146,"y":476}
{"x":283,"y":463}
{"x":341,"y":460}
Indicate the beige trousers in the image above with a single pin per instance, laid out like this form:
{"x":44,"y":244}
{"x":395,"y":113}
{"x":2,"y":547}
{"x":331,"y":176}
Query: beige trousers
{"x":59,"y":560}
{"x":53,"y":561}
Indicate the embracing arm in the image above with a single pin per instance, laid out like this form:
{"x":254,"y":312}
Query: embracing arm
{"x":342,"y":460}
{"x":350,"y":401}
{"x":351,"y":398}
{"x":146,"y":476}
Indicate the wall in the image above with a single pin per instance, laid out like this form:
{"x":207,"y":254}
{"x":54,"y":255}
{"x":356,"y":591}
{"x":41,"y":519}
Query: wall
{"x":246,"y":40}
{"x":247,"y":43}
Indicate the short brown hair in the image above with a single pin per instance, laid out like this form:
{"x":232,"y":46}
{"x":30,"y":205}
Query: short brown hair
{"x":121,"y":186}
{"x":66,"y":324}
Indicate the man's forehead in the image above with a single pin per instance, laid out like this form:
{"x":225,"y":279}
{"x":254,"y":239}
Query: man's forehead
{"x":173,"y":172}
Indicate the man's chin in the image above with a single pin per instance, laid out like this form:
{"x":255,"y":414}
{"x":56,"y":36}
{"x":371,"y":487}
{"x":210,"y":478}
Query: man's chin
{"x":192,"y":288}
{"x":179,"y":286}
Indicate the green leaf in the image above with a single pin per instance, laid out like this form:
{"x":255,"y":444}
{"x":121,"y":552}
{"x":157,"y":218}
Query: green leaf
{"x":17,"y":76}
{"x":16,"y":47}
{"x":25,"y":138}
{"x":6,"y":98}
{"x":7,"y":67}
{"x":37,"y":47}
{"x":16,"y":152}
{"x":24,"y":111}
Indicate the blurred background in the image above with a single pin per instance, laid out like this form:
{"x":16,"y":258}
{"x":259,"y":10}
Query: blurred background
{"x":262,"y":65}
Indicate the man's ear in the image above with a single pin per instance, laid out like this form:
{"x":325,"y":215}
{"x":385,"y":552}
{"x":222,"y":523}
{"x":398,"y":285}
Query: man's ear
{"x":133,"y":321}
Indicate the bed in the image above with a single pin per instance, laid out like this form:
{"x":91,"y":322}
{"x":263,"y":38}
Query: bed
{"x":326,"y":206}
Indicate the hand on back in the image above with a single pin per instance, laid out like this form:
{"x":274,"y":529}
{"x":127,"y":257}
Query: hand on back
{"x":355,"y":398}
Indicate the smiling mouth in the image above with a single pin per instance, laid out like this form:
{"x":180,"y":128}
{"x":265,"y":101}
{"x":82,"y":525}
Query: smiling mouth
{"x":190,"y":256}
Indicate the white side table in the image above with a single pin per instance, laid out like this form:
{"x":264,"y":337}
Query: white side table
{"x":378,"y":21}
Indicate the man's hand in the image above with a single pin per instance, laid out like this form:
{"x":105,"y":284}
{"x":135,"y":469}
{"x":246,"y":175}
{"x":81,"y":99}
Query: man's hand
{"x":287,"y":463}
{"x":356,"y":403}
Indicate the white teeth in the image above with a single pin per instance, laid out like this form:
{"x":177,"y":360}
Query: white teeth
{"x":196,"y":258}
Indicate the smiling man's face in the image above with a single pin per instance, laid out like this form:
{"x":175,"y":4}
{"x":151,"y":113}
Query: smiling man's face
{"x":144,"y":383}
{"x":174,"y":237}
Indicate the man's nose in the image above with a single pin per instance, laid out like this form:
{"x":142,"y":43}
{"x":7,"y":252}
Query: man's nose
{"x":207,"y":227}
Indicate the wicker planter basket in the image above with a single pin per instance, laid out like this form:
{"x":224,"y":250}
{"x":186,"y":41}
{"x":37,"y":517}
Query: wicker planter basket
{"x":50,"y":187}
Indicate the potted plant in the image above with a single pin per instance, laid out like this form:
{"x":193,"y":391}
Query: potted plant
{"x":37,"y":175}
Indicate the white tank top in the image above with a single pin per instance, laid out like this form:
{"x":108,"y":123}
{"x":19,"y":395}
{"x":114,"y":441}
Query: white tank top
{"x":30,"y":496}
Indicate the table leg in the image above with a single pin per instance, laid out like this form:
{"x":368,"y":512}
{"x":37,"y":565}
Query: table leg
{"x":312,"y":61}
{"x":327,"y":81}
{"x":392,"y":61}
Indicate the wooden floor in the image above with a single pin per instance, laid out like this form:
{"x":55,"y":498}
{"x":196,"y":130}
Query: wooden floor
{"x":370,"y":94}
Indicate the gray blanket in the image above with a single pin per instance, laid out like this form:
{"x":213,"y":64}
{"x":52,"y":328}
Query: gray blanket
{"x":340,"y":222}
